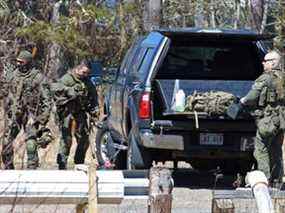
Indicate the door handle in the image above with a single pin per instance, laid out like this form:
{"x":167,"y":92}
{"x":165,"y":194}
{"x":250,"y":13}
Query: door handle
{"x":136,"y":83}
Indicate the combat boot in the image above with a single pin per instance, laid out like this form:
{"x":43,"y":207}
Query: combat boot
{"x":7,"y":161}
{"x":32,"y":165}
{"x":32,"y":154}
{"x":61,"y":162}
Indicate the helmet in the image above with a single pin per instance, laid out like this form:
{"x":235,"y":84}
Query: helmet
{"x":25,"y":55}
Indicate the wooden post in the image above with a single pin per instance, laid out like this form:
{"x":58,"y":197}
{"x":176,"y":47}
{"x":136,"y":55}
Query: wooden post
{"x":222,"y":206}
{"x":92,"y":197}
{"x":281,"y":206}
{"x":160,"y":188}
{"x":80,"y":208}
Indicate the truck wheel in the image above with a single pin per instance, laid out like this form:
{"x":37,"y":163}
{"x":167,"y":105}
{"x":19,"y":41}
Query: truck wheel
{"x":137,"y":157}
{"x":106,"y":153}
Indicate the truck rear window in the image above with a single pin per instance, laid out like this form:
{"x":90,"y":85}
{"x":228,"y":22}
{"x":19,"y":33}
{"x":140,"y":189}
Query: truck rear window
{"x":212,"y":60}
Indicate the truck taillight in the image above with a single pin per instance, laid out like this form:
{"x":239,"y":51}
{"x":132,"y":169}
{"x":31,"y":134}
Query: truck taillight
{"x":144,"y":106}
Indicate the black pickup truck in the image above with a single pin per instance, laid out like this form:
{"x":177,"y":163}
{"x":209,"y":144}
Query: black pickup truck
{"x":141,"y":127}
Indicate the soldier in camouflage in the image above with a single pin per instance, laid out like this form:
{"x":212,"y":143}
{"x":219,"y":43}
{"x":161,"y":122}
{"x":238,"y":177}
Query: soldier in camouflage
{"x":27,"y":105}
{"x":75,"y":97}
{"x":268,"y":99}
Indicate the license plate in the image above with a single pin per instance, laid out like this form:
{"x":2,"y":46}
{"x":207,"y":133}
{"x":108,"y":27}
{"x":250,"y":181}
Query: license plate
{"x":211,"y":139}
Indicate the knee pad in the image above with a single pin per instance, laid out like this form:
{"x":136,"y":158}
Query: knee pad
{"x":31,"y":146}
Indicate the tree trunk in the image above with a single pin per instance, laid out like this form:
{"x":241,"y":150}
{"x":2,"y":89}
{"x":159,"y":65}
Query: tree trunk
{"x":199,"y":18}
{"x":123,"y":40}
{"x":54,"y":67}
{"x":237,"y":19}
{"x":213,"y":18}
{"x":160,"y":188}
{"x":264,"y":18}
{"x":152,"y":14}
{"x":256,"y":15}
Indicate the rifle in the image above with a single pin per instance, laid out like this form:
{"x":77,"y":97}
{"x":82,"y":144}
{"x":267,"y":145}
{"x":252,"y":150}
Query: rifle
{"x":94,"y":124}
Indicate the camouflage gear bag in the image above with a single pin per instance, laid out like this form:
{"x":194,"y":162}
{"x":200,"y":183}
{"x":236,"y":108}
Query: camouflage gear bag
{"x":214,"y":103}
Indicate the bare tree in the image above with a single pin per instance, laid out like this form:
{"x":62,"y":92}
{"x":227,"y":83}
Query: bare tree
{"x":257,"y":14}
{"x":53,"y":63}
{"x":199,"y":17}
{"x":238,"y":8}
{"x":152,"y":14}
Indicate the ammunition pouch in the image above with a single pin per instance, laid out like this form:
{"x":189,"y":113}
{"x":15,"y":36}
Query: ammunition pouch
{"x":262,"y":97}
{"x":268,"y":126}
{"x":271,"y":96}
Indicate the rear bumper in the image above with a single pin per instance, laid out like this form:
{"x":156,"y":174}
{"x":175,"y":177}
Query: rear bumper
{"x":190,"y":146}
{"x":169,"y":142}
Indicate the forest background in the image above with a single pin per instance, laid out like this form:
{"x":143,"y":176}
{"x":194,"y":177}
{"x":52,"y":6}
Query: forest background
{"x":65,"y":31}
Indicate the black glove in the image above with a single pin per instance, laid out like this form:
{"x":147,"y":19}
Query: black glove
{"x":71,"y":93}
{"x":74,"y":92}
{"x":45,"y":137}
{"x":234,"y":110}
{"x":95,"y":112}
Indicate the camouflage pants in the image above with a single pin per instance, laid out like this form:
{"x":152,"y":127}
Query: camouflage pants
{"x":73,"y":125}
{"x":268,"y":154}
{"x":12,"y":128}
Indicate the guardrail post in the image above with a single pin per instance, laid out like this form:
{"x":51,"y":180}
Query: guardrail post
{"x":222,"y":206}
{"x":80,"y":208}
{"x":160,"y":188}
{"x":92,"y":183}
{"x":281,"y":206}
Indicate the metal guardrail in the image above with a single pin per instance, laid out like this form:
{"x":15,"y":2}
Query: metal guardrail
{"x":245,"y":193}
{"x":69,"y":187}
{"x":80,"y":187}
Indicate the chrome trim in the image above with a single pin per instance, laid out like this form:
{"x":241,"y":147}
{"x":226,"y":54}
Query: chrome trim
{"x":154,"y":63}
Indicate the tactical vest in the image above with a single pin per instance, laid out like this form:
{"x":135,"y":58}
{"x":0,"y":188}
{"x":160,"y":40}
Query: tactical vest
{"x":24,"y":91}
{"x":273,"y":93}
{"x":80,"y":103}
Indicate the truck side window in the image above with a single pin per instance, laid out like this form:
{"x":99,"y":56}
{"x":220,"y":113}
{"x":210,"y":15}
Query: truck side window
{"x":146,"y":63}
{"x":138,"y":60}
{"x":130,"y":56}
{"x":123,"y":65}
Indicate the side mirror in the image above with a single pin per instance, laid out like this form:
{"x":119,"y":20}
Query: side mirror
{"x":110,"y":75}
{"x":96,"y":75}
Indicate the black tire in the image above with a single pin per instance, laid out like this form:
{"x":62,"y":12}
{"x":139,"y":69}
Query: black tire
{"x":106,"y":152}
{"x":137,"y":157}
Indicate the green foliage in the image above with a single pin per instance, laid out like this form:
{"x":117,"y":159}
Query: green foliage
{"x":102,"y":33}
{"x":4,"y":9}
{"x":89,"y":31}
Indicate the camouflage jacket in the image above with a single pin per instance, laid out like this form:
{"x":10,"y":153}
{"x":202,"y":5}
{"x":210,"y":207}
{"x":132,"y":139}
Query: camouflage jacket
{"x":28,"y":94}
{"x":74,"y":95}
{"x":267,"y":93}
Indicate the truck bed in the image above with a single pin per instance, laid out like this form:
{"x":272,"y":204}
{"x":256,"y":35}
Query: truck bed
{"x":165,"y":90}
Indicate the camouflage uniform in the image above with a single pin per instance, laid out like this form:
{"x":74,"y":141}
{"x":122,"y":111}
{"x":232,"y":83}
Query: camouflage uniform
{"x":27,"y":105}
{"x":267,"y":95}
{"x":74,"y":97}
